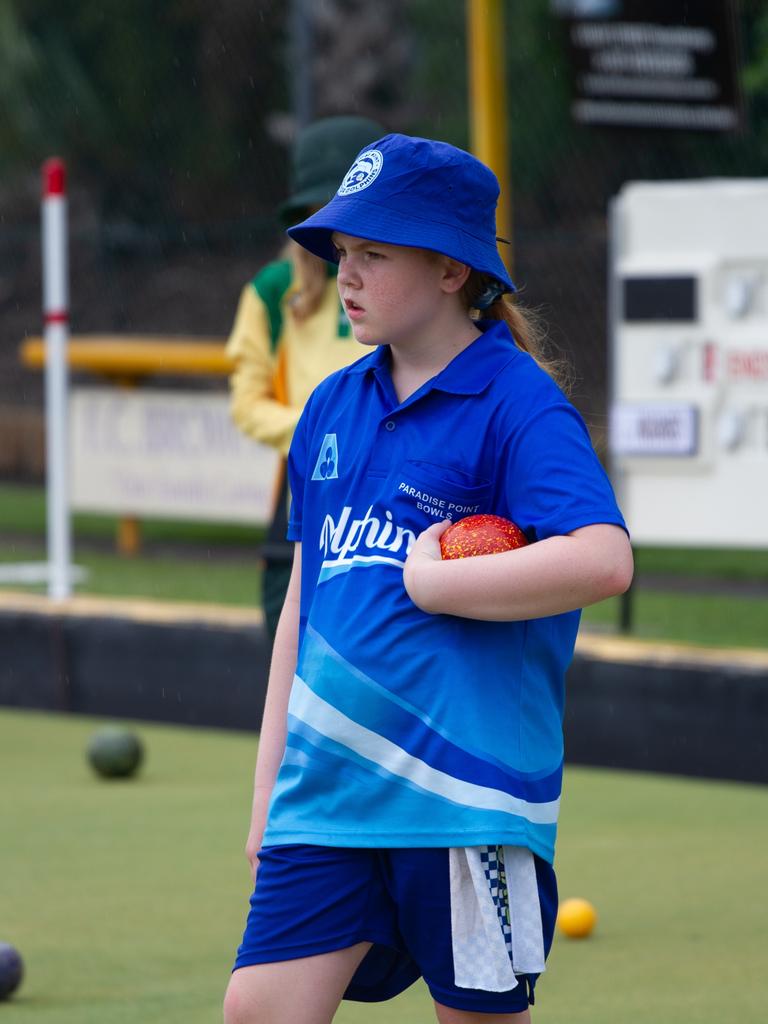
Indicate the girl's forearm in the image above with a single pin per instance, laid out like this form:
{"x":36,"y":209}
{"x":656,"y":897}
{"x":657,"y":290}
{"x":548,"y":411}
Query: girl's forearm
{"x":551,"y":576}
{"x":283,"y":666}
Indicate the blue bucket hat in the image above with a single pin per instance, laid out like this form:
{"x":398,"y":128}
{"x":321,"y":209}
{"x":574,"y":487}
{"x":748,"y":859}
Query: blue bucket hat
{"x":416,"y":192}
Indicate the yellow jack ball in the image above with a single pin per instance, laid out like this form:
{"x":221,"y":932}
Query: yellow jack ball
{"x":576,"y":918}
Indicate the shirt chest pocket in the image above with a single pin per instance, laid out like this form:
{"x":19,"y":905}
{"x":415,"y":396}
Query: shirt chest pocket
{"x":424,"y":492}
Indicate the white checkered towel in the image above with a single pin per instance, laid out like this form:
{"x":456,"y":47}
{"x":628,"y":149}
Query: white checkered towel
{"x":495,"y":916}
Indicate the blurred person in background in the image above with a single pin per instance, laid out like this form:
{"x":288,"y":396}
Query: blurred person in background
{"x":291,"y":330}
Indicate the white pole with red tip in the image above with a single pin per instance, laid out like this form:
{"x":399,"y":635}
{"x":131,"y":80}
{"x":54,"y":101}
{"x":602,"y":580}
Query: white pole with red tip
{"x":56,"y":316}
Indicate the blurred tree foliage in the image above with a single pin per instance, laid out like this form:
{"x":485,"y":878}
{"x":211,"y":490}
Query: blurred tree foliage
{"x":161,"y":105}
{"x":537,"y":81}
{"x":166,"y":108}
{"x":553,"y":158}
{"x":756,"y":71}
{"x":361,"y":58}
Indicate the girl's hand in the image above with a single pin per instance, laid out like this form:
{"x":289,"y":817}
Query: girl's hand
{"x":258,"y":825}
{"x":422,"y":557}
{"x":252,"y":847}
{"x":427,"y":544}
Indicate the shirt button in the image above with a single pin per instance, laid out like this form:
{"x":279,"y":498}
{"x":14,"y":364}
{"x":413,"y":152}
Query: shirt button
{"x":390,"y":424}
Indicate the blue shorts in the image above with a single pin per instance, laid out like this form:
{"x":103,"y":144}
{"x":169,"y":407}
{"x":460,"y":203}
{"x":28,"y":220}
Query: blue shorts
{"x":315,"y":899}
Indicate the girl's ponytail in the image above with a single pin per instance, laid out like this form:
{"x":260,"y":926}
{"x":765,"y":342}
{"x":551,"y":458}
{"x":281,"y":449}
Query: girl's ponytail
{"x":527,"y":328}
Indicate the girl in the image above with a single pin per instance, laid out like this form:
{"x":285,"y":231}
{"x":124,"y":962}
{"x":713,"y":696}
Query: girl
{"x":408,"y":776}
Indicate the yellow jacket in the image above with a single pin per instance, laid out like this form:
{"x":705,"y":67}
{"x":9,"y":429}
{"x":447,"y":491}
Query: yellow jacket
{"x":279,"y":360}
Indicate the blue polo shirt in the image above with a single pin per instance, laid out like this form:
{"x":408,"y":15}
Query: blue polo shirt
{"x":407,"y":729}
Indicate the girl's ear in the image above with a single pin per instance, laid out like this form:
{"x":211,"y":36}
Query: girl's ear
{"x":455,"y":275}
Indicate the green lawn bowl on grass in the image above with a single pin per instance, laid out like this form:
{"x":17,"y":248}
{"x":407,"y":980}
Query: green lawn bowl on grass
{"x":115,"y":752}
{"x":11,"y":970}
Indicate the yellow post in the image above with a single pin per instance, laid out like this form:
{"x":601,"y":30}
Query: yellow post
{"x":489,"y":137}
{"x":128,"y":536}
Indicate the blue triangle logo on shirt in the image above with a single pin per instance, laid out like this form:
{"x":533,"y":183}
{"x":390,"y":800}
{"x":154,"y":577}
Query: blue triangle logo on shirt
{"x":327,"y":465}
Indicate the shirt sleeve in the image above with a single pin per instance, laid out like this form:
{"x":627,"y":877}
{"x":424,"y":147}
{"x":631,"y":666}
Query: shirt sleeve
{"x":254,"y":405}
{"x":554,"y":480}
{"x":297,"y":473}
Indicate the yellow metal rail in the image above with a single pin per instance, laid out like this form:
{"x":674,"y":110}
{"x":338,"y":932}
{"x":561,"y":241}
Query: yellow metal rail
{"x":129,"y":358}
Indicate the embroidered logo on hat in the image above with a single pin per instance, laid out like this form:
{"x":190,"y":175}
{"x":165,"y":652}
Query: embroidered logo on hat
{"x":363,"y":172}
{"x":430,"y":195}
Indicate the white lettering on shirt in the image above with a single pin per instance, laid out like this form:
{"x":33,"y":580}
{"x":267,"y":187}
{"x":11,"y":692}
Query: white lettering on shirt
{"x":348,"y":535}
{"x":438,"y":508}
{"x":423,"y":496}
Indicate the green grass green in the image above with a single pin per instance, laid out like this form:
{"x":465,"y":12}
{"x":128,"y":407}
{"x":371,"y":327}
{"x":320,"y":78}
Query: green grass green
{"x":127,"y":898}
{"x":22,"y":511}
{"x":199,"y":576}
{"x":709,"y":619}
{"x":210,"y":563}
{"x":718,"y":563}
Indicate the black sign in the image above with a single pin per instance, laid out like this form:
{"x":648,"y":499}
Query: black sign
{"x":654,"y":63}
{"x":660,"y":298}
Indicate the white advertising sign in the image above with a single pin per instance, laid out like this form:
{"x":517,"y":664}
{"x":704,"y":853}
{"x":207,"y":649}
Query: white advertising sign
{"x":166,"y":453}
{"x":689,"y":324}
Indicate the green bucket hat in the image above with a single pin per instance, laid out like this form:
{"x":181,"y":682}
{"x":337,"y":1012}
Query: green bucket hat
{"x":321,"y":157}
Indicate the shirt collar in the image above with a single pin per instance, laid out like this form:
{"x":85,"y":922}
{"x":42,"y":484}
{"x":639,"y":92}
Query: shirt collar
{"x":468,"y":373}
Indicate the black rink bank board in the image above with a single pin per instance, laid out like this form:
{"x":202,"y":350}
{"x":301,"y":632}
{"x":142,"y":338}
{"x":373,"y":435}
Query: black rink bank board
{"x":668,"y":708}
{"x":632,"y":705}
{"x":194,"y":665}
